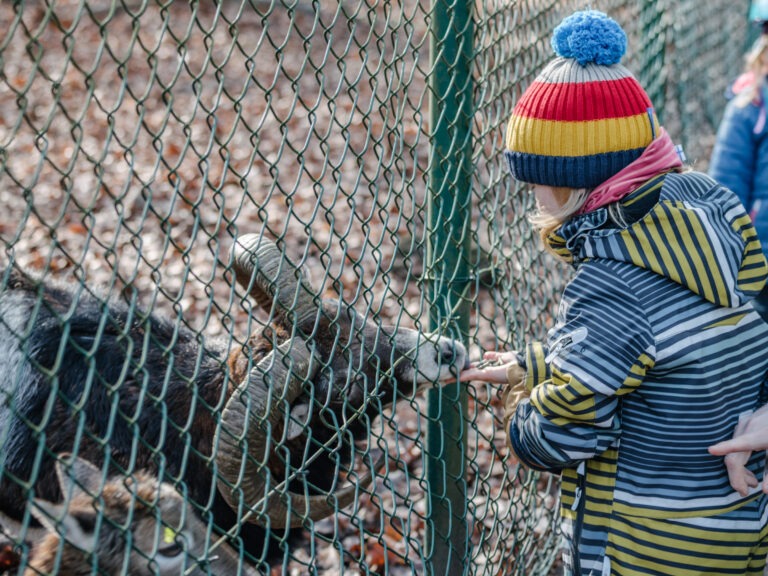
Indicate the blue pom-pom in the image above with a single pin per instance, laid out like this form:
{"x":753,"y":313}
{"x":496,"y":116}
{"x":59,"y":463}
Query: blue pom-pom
{"x":590,"y":36}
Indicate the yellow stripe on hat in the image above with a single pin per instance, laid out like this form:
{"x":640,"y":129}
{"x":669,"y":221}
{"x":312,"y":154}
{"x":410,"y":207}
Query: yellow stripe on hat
{"x":572,"y":139}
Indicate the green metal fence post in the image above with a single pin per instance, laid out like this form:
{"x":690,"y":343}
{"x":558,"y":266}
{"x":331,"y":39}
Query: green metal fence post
{"x":653,"y":74}
{"x":449,"y":217}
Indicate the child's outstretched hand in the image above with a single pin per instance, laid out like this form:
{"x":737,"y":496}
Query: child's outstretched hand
{"x":492,"y":368}
{"x":501,"y":368}
{"x":750,"y":434}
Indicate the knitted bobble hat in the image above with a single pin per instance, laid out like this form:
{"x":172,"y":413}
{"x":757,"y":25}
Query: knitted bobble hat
{"x":585,"y":117}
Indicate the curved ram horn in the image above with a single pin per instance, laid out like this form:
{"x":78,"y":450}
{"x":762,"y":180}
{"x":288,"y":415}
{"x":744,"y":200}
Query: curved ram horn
{"x":270,"y":278}
{"x":246,"y":474}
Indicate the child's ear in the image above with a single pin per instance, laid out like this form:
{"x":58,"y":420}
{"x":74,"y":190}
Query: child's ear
{"x":76,"y":527}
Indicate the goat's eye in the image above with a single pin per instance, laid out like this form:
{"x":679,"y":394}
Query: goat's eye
{"x":171,"y":550}
{"x":172,"y":544}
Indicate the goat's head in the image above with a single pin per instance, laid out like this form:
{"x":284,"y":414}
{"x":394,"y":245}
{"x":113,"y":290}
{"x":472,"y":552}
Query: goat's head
{"x":324,"y":377}
{"x":131,"y":525}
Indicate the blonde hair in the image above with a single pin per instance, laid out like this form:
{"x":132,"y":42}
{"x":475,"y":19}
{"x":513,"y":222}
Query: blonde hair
{"x":547,"y":221}
{"x":754,"y":64}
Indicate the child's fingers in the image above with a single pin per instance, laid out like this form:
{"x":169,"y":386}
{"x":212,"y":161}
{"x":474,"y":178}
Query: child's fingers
{"x":496,"y":374}
{"x":500,"y":357}
{"x":492,"y":368}
{"x":491,"y":355}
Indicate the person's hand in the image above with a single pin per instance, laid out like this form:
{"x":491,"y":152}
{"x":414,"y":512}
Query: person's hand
{"x":740,"y":477}
{"x":753,"y":436}
{"x":750,"y":434}
{"x":492,"y":368}
{"x":502,"y":368}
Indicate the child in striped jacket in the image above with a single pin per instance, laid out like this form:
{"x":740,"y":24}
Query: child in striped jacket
{"x":657,"y":349}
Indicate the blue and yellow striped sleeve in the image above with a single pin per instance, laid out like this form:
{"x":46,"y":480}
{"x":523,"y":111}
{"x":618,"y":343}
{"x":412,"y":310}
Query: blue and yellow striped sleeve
{"x":600,"y":350}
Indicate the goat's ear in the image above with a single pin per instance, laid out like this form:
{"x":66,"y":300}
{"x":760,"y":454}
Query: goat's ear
{"x":79,"y":477}
{"x":76,"y":527}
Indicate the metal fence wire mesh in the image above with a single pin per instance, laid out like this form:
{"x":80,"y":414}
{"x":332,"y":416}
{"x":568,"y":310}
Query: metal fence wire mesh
{"x":139,"y":139}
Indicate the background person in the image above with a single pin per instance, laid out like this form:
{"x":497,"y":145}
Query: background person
{"x":740,"y":157}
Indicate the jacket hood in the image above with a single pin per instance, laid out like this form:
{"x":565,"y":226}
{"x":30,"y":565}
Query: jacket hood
{"x":685,"y":227}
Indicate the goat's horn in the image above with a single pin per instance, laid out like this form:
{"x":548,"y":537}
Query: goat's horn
{"x":270,"y":278}
{"x":245,"y":473}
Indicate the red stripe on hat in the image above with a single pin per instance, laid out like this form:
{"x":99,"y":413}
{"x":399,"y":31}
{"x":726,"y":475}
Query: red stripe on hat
{"x":583,"y":101}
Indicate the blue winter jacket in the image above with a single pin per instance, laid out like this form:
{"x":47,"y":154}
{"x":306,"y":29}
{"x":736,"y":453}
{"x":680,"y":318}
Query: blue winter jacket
{"x":740,"y":158}
{"x":656,"y":353}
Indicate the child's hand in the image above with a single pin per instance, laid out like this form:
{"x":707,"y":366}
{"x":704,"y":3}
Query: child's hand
{"x":501,"y":368}
{"x":492,"y":368}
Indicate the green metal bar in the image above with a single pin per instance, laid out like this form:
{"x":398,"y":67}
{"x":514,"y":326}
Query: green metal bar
{"x":449,"y":219}
{"x":653,"y":72}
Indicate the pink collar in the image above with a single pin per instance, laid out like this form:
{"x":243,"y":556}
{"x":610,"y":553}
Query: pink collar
{"x":660,"y":156}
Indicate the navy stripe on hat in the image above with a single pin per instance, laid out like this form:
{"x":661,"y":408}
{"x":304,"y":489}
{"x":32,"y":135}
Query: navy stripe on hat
{"x":569,"y":171}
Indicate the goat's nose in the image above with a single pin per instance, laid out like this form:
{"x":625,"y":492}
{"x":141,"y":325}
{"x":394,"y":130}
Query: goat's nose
{"x":448,"y":353}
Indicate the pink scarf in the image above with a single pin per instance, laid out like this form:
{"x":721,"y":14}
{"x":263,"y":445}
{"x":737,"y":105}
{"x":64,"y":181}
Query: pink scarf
{"x":660,"y":156}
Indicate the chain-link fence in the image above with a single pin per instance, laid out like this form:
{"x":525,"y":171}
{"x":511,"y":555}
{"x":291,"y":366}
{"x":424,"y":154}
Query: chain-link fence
{"x":138,"y":139}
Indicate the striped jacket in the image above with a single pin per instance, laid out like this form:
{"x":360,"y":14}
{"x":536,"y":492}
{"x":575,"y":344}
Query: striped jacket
{"x":655,"y":354}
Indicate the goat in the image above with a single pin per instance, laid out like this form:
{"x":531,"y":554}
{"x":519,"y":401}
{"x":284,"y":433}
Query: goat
{"x":259,"y":435}
{"x":128,"y":525}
